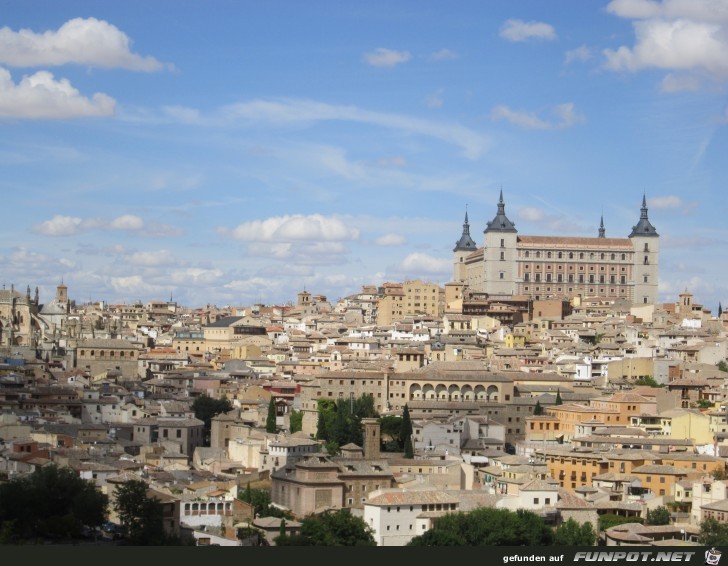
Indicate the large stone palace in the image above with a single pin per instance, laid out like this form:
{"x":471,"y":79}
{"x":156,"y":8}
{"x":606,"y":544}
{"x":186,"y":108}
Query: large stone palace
{"x":543,"y":267}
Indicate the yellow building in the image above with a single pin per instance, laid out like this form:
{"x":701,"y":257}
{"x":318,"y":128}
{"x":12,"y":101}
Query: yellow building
{"x":689,"y":423}
{"x":411,"y":298}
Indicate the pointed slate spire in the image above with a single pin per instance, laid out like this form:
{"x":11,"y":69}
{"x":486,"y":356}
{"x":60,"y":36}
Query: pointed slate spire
{"x":501,"y":223}
{"x":465,"y":243}
{"x":643,"y":227}
{"x":601,"y":227}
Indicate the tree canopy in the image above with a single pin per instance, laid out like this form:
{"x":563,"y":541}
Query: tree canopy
{"x":52,"y":503}
{"x":658,"y":516}
{"x":260,"y":499}
{"x":270,"y":420}
{"x":487,"y":526}
{"x":713,"y":533}
{"x":142,"y":516}
{"x":333,"y":528}
{"x":296,"y":421}
{"x":571,"y":533}
{"x":206,"y":407}
{"x":409,"y":451}
{"x":339,"y":422}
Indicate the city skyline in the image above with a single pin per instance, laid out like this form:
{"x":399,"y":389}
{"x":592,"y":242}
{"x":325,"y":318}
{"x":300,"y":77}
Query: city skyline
{"x":243,"y":152}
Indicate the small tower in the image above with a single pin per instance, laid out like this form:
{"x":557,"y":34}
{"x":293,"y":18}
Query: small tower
{"x":304,"y":299}
{"x":500,"y":253}
{"x":62,"y":298}
{"x":463,"y":247}
{"x":371,"y":438}
{"x":601,"y":227}
{"x":646,"y":246}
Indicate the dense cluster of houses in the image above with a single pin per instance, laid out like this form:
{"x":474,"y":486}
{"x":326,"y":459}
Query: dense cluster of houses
{"x":574,"y":410}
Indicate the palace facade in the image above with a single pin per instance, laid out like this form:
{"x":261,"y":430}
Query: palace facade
{"x":543,"y":267}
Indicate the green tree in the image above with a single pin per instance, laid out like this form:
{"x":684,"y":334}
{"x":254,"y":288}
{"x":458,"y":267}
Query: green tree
{"x":340,"y":423}
{"x":609,"y":520}
{"x":296,"y":421}
{"x":647,"y":380}
{"x":326,"y":414}
{"x":720,"y":474}
{"x":722,"y":365}
{"x":260,"y":499}
{"x":206,"y":407}
{"x":538,"y":409}
{"x":51,"y":503}
{"x":406,"y":434}
{"x":572,"y":533}
{"x":391,"y":431}
{"x":658,"y":516}
{"x":486,"y":526}
{"x":720,"y":309}
{"x":558,"y":397}
{"x":141,"y":516}
{"x":270,"y":421}
{"x":713,"y":533}
{"x":333,"y":528}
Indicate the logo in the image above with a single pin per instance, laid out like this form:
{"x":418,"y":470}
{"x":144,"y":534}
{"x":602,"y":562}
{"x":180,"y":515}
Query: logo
{"x":712,"y":557}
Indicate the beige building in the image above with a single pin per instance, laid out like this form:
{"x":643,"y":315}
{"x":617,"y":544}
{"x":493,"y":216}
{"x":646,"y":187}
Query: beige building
{"x":410,"y":298}
{"x":99,"y":355}
{"x":542,"y":267}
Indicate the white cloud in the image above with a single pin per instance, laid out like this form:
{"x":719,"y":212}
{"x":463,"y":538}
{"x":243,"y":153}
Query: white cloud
{"x":78,"y":41}
{"x":426,"y":264}
{"x":393,"y":161}
{"x":42,"y":96}
{"x":194,"y":276}
{"x":675,"y":35}
{"x":679,"y":83}
{"x":390,"y":240}
{"x":518,"y":30}
{"x":531,"y":214}
{"x":293,"y":228}
{"x":127,"y":222}
{"x":60,"y":226}
{"x":444,"y":55}
{"x":581,"y":54}
{"x":257,"y":286}
{"x":291,"y":111}
{"x":162,"y":230}
{"x":566,"y":116}
{"x":670,"y":201}
{"x":133,"y":285}
{"x":435,"y":99}
{"x":382,"y":57}
{"x":700,"y":10}
{"x":152,"y":259}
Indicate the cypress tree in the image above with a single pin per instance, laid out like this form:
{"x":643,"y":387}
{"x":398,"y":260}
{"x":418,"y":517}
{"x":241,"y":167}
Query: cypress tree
{"x":407,"y":434}
{"x":538,"y":409}
{"x":558,"y":397}
{"x":270,"y":421}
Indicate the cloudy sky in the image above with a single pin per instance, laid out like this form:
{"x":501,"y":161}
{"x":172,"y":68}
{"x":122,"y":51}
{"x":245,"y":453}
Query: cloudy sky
{"x":233,"y":152}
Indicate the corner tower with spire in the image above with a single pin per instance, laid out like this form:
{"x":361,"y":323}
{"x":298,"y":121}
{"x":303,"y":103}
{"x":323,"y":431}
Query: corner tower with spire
{"x":646,"y":245}
{"x":463,"y":247}
{"x":500,"y":253}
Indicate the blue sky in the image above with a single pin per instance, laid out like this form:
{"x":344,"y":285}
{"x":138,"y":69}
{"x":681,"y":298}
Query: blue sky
{"x":236,"y":152}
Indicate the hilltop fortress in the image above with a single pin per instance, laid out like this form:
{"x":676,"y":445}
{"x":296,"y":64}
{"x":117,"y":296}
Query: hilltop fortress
{"x":544,"y":267}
